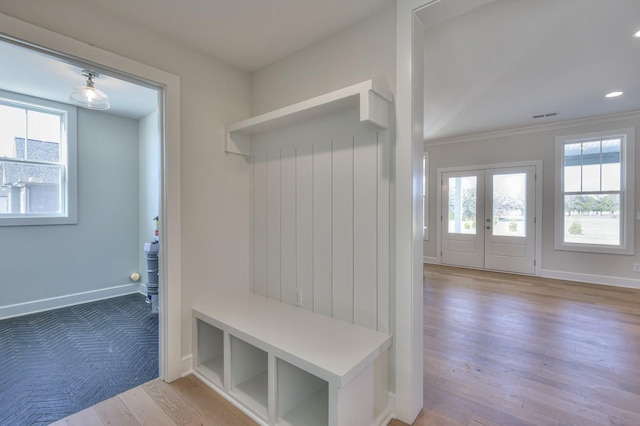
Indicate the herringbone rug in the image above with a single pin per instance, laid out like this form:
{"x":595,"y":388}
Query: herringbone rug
{"x":56,"y":363}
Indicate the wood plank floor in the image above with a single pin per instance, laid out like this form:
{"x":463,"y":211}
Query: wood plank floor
{"x":504,"y":349}
{"x":498,"y":350}
{"x":186,"y":401}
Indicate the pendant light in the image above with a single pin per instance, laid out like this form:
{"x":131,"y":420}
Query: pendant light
{"x":88,"y":96}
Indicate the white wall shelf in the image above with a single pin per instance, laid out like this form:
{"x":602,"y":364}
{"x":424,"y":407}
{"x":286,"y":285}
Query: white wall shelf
{"x":283,"y":364}
{"x":372,"y":98}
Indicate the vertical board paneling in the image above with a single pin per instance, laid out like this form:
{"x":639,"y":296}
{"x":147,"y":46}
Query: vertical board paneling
{"x":342,"y":212}
{"x":322,"y":220}
{"x":384,"y":230}
{"x":288,"y":225}
{"x":274,"y":220}
{"x":260,"y":224}
{"x":304,"y":224}
{"x":365,"y":231}
{"x":322,"y":229}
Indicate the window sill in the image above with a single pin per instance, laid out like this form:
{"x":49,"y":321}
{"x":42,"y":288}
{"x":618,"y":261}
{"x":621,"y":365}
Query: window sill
{"x":38,"y":220}
{"x":594,"y":248}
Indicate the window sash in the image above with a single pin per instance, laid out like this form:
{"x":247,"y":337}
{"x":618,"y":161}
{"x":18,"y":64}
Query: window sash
{"x":624,"y":155}
{"x":64,"y":210}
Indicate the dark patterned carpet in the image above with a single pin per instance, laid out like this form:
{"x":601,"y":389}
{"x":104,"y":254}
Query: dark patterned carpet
{"x":56,"y":363}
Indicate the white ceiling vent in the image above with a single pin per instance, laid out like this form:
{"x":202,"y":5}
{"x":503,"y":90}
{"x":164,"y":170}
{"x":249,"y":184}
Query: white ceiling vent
{"x":550,"y":114}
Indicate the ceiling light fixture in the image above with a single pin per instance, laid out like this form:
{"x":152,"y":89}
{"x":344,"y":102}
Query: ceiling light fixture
{"x":613,"y":94}
{"x":88,"y":96}
{"x":637,"y":34}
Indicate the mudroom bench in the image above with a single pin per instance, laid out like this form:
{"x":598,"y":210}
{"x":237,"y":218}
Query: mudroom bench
{"x":283,"y":365}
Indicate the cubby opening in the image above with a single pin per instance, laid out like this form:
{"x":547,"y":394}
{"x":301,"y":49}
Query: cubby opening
{"x":303,"y":399}
{"x":249,"y":376}
{"x":210,"y":352}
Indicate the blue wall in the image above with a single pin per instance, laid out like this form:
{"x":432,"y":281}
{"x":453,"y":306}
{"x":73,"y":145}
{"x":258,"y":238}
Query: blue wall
{"x":101,"y":251}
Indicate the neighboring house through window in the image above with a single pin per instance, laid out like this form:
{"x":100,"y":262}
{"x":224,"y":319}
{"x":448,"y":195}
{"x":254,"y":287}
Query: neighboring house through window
{"x":37,"y":161}
{"x":594,"y":192}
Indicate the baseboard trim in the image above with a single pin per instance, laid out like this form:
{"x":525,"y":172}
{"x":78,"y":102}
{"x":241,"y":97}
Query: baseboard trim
{"x":186,"y":365}
{"x":392,"y":404}
{"x":592,"y":279}
{"x":32,"y":307}
{"x":142,"y":288}
{"x":431,"y":260}
{"x":384,"y":418}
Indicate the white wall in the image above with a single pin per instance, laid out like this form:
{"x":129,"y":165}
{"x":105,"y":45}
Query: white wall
{"x":149,"y":184}
{"x":214,"y":187}
{"x":40,"y":262}
{"x":535,"y":145}
{"x":363,"y":51}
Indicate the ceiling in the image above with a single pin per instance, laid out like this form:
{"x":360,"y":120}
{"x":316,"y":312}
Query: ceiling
{"x":31,"y":73}
{"x":489,"y":64}
{"x":497,"y":66}
{"x":246,"y":33}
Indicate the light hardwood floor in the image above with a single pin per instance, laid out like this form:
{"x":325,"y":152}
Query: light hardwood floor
{"x":186,"y":401}
{"x":513,"y":350}
{"x":498,"y":350}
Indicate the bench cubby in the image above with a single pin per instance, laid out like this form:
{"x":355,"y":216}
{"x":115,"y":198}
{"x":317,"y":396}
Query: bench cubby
{"x":249,"y":376}
{"x":209,"y":357}
{"x":302,"y":397}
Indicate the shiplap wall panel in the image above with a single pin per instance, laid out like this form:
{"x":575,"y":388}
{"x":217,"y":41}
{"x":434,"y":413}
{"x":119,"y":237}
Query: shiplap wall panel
{"x":260,"y":223}
{"x":274,"y":221}
{"x":322,"y":229}
{"x":304,"y":224}
{"x":323,"y":196}
{"x":342,"y":214}
{"x":288,"y":254}
{"x":365,"y":229}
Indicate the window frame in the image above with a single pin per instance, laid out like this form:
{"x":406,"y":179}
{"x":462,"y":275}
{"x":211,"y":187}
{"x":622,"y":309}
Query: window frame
{"x":627,"y":191}
{"x":68,"y":157}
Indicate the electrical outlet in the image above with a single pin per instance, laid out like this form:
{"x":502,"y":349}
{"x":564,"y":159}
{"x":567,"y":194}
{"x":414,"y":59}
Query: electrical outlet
{"x":299,"y":294}
{"x":636,"y":267}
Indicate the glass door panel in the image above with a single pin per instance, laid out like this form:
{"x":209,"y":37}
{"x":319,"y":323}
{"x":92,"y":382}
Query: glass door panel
{"x":463,"y":197}
{"x":509,"y":205}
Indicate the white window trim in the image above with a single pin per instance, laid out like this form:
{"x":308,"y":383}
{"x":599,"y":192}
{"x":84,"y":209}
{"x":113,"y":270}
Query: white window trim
{"x":627,"y":201}
{"x":70,"y":136}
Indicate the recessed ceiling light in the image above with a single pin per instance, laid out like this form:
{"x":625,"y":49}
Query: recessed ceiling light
{"x":637,"y":34}
{"x":613,"y":94}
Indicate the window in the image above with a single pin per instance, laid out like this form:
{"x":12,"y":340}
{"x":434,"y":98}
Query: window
{"x":37,"y":161}
{"x":594,"y":192}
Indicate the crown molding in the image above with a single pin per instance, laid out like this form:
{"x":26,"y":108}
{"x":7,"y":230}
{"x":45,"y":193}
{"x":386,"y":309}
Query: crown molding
{"x":602,"y":119}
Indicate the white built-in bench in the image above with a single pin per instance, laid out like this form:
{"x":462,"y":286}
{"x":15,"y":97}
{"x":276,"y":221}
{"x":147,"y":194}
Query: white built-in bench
{"x":283,"y":365}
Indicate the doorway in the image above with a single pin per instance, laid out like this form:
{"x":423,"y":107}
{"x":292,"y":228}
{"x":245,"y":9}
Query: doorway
{"x":488,"y":218}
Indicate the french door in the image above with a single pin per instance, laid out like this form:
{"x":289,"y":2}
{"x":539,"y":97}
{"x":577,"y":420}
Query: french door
{"x":488,"y":219}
